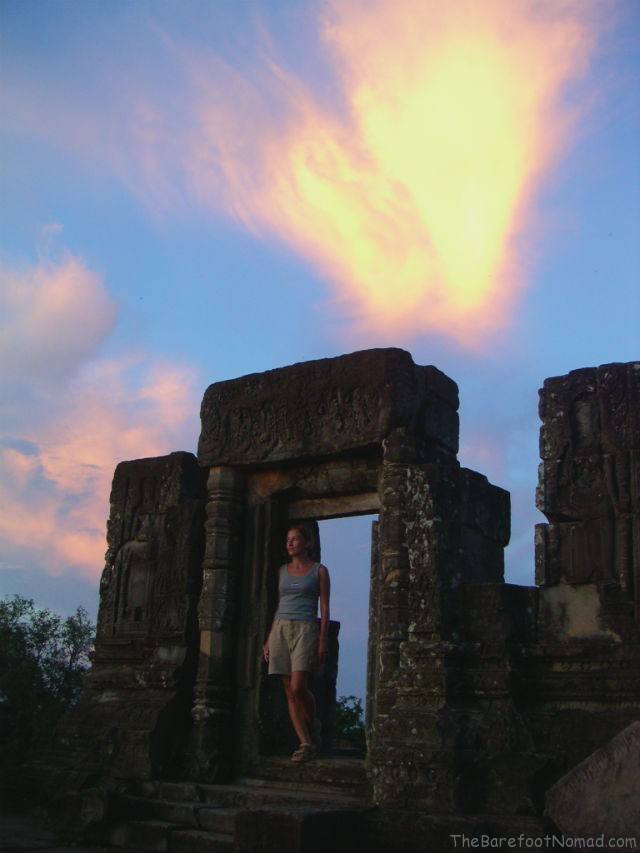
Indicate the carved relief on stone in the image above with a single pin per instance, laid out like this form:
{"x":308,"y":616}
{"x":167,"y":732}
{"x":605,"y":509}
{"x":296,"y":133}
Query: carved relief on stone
{"x":135,"y":569}
{"x":619,"y":386}
{"x":589,"y":477}
{"x":152,"y":558}
{"x":326,"y":407}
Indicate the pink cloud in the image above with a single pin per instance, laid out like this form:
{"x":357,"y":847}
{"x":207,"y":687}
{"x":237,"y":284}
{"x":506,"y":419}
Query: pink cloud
{"x":55,"y":496}
{"x":54,"y":315}
{"x":75,"y":416}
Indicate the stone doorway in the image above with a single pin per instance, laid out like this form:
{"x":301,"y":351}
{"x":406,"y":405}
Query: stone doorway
{"x":347,"y":552}
{"x":366,"y":433}
{"x":262,"y":726}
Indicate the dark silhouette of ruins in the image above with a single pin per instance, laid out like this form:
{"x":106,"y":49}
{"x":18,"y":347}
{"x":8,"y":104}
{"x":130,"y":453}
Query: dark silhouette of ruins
{"x":480,"y":694}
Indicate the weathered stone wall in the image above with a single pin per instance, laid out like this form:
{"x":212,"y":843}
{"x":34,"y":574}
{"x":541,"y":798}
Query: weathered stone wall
{"x":424,"y":742}
{"x":584,"y":670}
{"x":480,"y":694}
{"x":487,"y":693}
{"x":134,"y":714}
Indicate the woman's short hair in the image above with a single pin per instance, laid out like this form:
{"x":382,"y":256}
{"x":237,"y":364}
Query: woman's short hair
{"x":305,"y":530}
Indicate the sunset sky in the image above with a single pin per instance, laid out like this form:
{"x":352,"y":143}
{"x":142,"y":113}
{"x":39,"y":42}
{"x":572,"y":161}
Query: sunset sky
{"x":192,"y":191}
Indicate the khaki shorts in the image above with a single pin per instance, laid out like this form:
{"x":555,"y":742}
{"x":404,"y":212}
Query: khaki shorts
{"x":293,"y":646}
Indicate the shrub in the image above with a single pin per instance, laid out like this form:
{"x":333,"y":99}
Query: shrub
{"x":350,"y":722}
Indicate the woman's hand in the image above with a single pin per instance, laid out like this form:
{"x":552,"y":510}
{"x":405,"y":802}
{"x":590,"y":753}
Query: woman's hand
{"x":265,"y":651}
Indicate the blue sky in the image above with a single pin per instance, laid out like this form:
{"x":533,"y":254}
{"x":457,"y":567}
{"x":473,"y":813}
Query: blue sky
{"x":195,"y":191}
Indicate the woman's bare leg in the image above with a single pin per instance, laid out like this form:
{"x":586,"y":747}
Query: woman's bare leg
{"x":306,"y":701}
{"x":301,"y":705}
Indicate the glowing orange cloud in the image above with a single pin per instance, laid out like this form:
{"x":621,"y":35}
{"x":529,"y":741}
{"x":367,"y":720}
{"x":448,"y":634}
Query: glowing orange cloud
{"x":410,"y":199}
{"x":407,"y":179}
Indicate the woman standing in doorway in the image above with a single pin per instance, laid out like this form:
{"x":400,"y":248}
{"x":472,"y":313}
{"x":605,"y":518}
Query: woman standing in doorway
{"x":295,"y":646}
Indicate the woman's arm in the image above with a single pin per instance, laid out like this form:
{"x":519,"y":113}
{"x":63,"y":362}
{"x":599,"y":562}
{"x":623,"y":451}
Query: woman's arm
{"x":265,"y":646}
{"x":325,"y":592}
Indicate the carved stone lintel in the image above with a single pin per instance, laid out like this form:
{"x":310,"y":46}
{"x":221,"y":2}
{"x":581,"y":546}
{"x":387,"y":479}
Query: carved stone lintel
{"x":330,"y":406}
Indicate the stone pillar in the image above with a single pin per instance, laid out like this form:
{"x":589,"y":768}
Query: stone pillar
{"x":133,"y":718}
{"x":589,"y":480}
{"x":583,"y":678}
{"x":212,"y":745}
{"x":410,"y":684}
{"x":424,"y":735}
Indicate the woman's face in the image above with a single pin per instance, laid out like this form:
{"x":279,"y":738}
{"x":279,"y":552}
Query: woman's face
{"x":296,"y":543}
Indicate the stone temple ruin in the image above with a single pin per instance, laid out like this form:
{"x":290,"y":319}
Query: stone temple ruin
{"x":481,"y":695}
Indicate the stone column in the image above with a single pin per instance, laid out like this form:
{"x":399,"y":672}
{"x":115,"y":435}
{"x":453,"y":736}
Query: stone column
{"x":406,"y":738}
{"x":588,"y":483}
{"x":424,"y":737}
{"x":584,"y":670}
{"x":212,"y":711}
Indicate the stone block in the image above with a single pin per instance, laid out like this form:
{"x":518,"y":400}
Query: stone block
{"x":577,"y":552}
{"x":486,"y":508}
{"x":570,"y":414}
{"x":328,"y":406}
{"x":200,"y":841}
{"x":217,"y":820}
{"x":601,"y":796}
{"x":589,"y":441}
{"x":569,"y":612}
{"x":155,"y":545}
{"x":145,"y":835}
{"x":482,"y":559}
{"x":619,"y":391}
{"x":498,"y":613}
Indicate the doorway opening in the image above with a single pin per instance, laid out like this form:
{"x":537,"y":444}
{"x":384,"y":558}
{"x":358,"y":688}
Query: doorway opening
{"x":346,"y":532}
{"x":346,"y":550}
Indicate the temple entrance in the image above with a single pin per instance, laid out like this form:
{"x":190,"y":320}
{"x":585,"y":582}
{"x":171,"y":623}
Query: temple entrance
{"x":343,"y":530}
{"x":347,"y":552}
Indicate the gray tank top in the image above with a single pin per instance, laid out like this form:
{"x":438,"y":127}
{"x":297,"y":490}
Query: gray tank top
{"x":299,"y":595}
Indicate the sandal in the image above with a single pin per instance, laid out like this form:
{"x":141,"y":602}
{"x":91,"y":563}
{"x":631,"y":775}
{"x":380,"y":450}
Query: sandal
{"x":305,"y":752}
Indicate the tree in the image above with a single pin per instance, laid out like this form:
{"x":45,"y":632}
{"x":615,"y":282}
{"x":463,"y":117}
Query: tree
{"x":42,"y":659}
{"x":350,"y":722}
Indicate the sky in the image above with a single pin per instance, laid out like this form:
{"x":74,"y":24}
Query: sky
{"x":193,"y":191}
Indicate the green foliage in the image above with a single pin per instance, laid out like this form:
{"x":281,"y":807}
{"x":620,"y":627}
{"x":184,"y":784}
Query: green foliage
{"x":350,"y":722}
{"x":42,"y":659}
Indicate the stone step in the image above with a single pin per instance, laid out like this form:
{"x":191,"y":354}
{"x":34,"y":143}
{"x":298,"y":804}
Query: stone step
{"x":217,"y":819}
{"x":142,"y":834}
{"x":194,"y":815}
{"x":176,"y":817}
{"x":245,"y":793}
{"x":302,"y":828}
{"x":346,"y":774}
{"x":166,"y":837}
{"x":255,"y":793}
{"x":199,"y":841}
{"x":125,"y":807}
